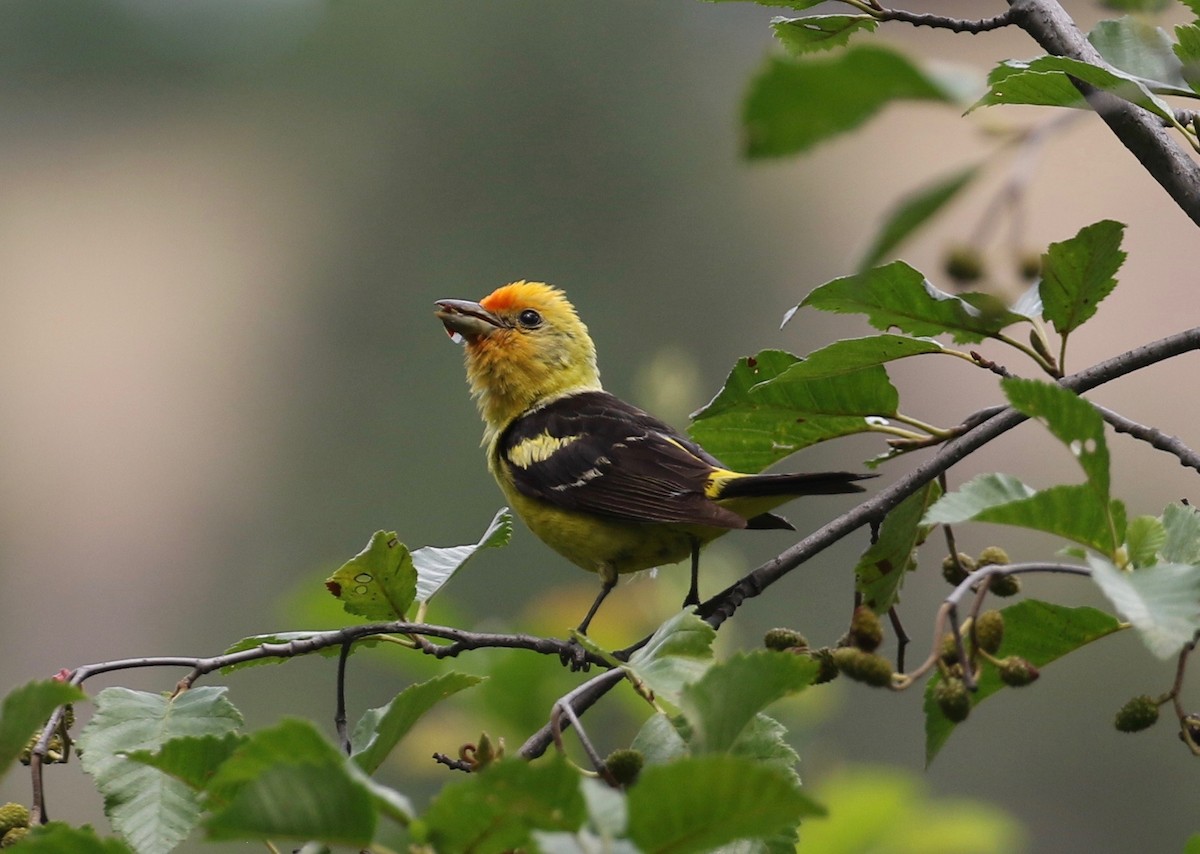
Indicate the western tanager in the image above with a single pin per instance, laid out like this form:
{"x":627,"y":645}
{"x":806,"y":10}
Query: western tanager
{"x":606,"y":485}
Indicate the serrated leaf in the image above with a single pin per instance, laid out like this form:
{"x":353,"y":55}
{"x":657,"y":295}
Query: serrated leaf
{"x":496,"y":809}
{"x":1187,"y":49}
{"x":1144,"y":536}
{"x":854,"y":354}
{"x":380,"y":729}
{"x":1162,"y":601}
{"x":1182,"y":524}
{"x":802,"y":36}
{"x":152,"y":811}
{"x":913,"y":211}
{"x":884,"y":565}
{"x":1071,"y":419}
{"x":977,"y":495}
{"x":723,"y":702}
{"x":1072,"y":511}
{"x":898,"y":296}
{"x":700,"y":803}
{"x":288,"y":782}
{"x":437,"y":565}
{"x":660,"y":740}
{"x":1193,"y":6}
{"x":26,"y":710}
{"x":58,"y":837}
{"x":1139,"y":49}
{"x":378,"y":583}
{"x":749,"y":433}
{"x":863,"y":392}
{"x":1078,"y":273}
{"x":1045,"y":82}
{"x":191,"y":759}
{"x":677,"y":654}
{"x":792,"y":105}
{"x":765,"y":739}
{"x":1039,"y":632}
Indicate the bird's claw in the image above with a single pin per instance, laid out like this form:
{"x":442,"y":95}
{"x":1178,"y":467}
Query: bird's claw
{"x":574,"y":656}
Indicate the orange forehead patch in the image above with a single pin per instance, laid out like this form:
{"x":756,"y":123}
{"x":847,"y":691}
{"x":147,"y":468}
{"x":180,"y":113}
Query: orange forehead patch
{"x":519,"y":295}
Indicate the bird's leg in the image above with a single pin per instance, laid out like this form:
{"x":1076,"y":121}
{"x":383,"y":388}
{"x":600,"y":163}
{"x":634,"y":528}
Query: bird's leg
{"x":608,"y":580}
{"x":693,"y":595}
{"x":578,"y":661}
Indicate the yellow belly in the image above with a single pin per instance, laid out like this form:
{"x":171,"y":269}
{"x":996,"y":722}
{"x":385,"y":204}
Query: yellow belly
{"x":596,"y":543}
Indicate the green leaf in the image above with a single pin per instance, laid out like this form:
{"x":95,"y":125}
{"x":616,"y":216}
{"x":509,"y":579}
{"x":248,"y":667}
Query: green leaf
{"x":765,"y":740}
{"x":1193,"y":6}
{"x":1143,"y":538}
{"x":854,"y":354}
{"x":698,"y":804}
{"x":26,"y":710}
{"x":1182,"y":524}
{"x":495,"y":810}
{"x":792,"y":105}
{"x":801,"y":36}
{"x":378,"y":583}
{"x":1074,"y":512}
{"x":190,"y":759}
{"x":1078,"y":273}
{"x":152,"y":811}
{"x":660,"y":739}
{"x":750,"y":432}
{"x":1071,"y":419}
{"x":1162,"y":601}
{"x":1139,"y":49}
{"x":1045,"y":82}
{"x":1039,"y":632}
{"x":288,"y":782}
{"x":58,"y":837}
{"x":437,"y":565}
{"x":676,"y":655}
{"x":884,"y":565}
{"x":1187,"y":49}
{"x":896,"y":295}
{"x":723,"y":702}
{"x":380,"y":729}
{"x":863,"y":392}
{"x":915,"y":210}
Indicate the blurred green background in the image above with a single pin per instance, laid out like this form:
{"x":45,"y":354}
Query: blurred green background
{"x":222,"y":228}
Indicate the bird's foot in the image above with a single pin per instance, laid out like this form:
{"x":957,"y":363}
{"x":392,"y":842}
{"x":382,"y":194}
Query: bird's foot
{"x":574,"y":656}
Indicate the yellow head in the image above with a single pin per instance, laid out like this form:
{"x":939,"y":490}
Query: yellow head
{"x":525,"y":345}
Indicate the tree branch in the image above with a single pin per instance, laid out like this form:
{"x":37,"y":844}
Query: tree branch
{"x":998,"y":421}
{"x":1140,"y":132}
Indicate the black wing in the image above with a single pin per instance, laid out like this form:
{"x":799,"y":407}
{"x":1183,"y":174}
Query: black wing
{"x":594,"y":453}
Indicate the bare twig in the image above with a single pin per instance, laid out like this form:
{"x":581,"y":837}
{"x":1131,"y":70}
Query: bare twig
{"x":943,"y":22}
{"x":1152,"y":436}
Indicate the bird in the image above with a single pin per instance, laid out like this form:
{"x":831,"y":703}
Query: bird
{"x":606,"y":485}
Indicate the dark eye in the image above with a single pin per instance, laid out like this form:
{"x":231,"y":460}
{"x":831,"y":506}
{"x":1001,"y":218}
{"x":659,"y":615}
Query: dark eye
{"x":530,"y":319}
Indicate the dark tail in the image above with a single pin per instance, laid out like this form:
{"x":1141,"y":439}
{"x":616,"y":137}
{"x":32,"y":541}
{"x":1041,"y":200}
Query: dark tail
{"x":808,"y":483}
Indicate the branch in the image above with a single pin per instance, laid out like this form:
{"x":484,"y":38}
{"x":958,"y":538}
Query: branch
{"x":1140,"y":132}
{"x":997,"y":421}
{"x":941,"y":22}
{"x":1152,"y":436}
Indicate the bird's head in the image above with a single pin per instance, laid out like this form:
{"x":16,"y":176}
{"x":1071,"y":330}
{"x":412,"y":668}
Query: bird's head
{"x":525,"y":345}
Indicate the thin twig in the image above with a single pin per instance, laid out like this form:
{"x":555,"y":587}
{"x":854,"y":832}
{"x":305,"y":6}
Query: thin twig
{"x":339,"y":716}
{"x":1151,"y":436}
{"x":942,"y":22}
